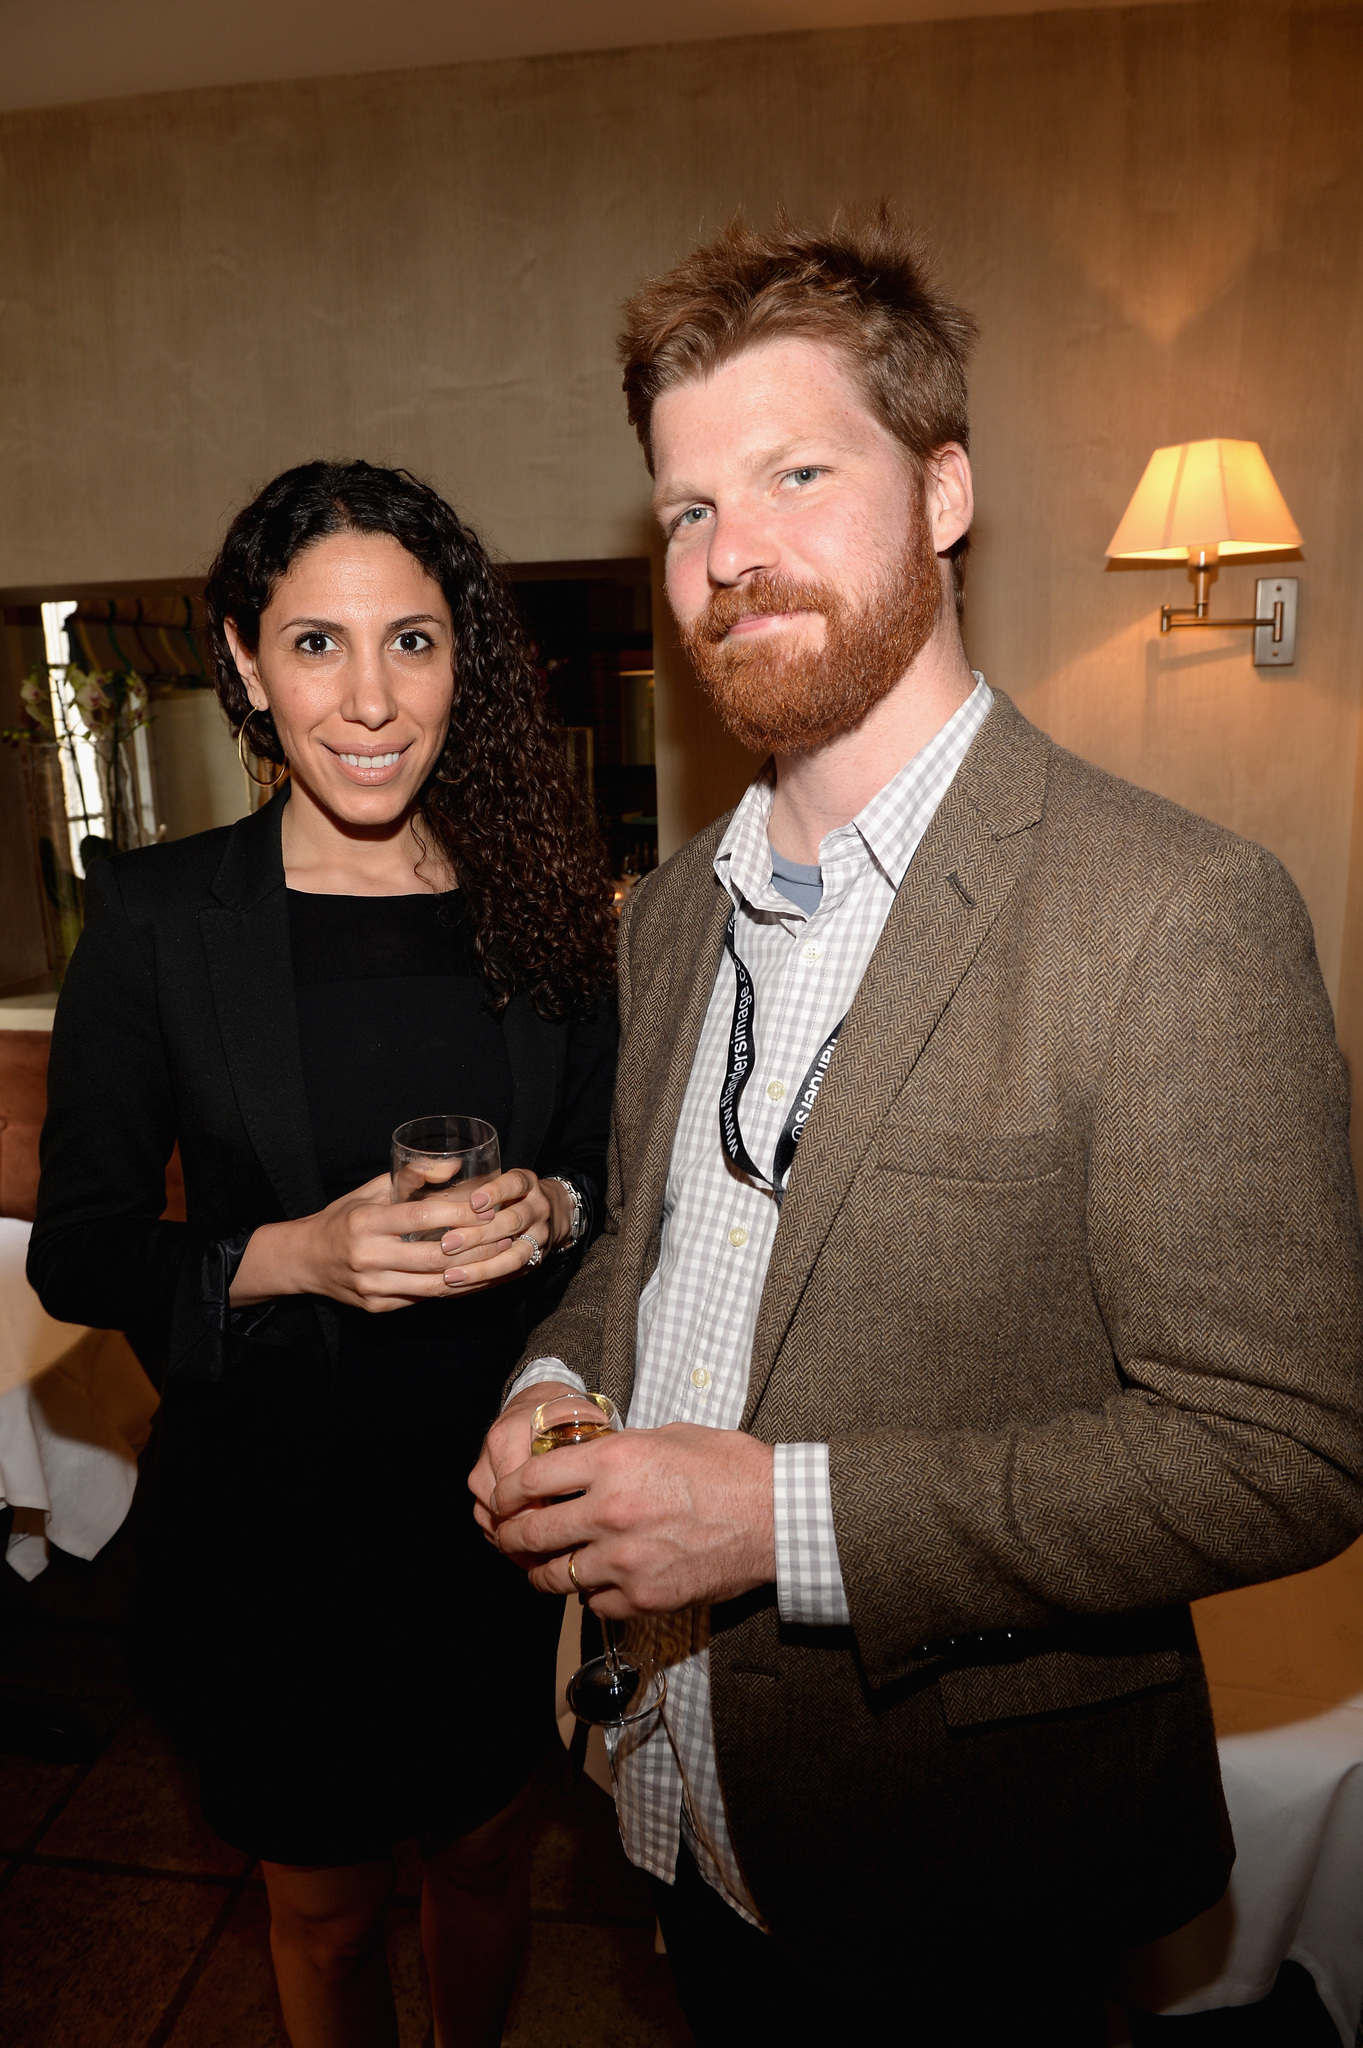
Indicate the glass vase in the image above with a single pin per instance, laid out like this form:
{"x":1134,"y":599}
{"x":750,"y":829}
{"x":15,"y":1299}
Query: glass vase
{"x":125,"y":792}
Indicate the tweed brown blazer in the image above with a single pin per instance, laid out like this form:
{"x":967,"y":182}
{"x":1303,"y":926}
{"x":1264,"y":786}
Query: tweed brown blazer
{"x":1069,"y":1277}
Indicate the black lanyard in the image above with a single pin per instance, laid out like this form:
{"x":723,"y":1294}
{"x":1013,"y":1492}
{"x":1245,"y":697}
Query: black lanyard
{"x":741,"y":1056}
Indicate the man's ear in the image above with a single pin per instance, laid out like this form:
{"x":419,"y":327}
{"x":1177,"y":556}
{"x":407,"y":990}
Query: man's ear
{"x":949,"y":495}
{"x":246,"y":666}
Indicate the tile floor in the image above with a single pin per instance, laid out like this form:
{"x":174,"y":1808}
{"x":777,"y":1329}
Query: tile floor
{"x":125,"y":1923}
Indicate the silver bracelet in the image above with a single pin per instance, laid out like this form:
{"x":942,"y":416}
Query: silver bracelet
{"x":579,"y":1213}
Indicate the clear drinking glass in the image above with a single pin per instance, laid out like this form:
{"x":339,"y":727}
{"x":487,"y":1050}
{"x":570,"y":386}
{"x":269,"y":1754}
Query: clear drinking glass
{"x":622,"y":1685}
{"x":572,"y":1419}
{"x":432,"y":1154}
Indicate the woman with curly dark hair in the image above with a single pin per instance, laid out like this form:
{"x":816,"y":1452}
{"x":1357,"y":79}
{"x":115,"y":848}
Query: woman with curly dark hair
{"x":419,"y":923}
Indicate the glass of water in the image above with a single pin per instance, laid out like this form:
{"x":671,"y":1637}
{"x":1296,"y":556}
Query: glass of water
{"x":442,"y":1155}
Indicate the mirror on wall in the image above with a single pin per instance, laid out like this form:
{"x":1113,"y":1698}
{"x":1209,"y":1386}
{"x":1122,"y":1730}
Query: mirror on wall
{"x":590,"y":628}
{"x":115,"y":740}
{"x":177,"y":766}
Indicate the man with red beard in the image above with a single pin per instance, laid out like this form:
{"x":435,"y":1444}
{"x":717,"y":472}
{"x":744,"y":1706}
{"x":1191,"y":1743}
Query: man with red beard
{"x":981,"y":1274}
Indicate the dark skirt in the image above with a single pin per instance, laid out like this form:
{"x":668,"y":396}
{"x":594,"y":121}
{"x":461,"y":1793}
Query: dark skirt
{"x":322,"y":1622}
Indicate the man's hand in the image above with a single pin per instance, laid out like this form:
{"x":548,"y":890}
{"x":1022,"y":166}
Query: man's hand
{"x":663,"y":1518}
{"x":507,"y":1445}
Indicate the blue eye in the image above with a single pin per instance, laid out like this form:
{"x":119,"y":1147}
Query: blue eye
{"x":805,"y":475}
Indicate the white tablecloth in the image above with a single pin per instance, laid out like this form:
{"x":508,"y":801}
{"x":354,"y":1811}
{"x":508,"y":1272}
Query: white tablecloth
{"x":75,"y":1410}
{"x":1295,"y":1796}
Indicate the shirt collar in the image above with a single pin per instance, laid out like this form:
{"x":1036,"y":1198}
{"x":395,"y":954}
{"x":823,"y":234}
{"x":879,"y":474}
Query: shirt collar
{"x":887,"y":829}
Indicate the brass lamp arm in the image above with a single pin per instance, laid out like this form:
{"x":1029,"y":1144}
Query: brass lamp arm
{"x":1171,"y":617}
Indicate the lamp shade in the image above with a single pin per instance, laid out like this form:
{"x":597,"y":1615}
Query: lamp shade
{"x":1204,"y":494}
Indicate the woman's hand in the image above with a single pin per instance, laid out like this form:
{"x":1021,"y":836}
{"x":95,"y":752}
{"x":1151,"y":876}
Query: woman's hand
{"x":353,"y":1251}
{"x":492,"y":1247}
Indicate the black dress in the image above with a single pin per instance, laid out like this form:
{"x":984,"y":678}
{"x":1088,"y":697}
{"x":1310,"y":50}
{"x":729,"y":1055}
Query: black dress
{"x":321,"y":1620}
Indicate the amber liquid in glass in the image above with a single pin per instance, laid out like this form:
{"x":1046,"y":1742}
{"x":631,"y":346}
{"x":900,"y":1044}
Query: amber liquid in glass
{"x":578,"y":1431}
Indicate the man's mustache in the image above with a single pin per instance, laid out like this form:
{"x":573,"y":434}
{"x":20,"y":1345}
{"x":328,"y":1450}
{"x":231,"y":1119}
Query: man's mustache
{"x":759,"y":599}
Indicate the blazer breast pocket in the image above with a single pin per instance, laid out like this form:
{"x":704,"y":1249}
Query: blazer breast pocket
{"x":984,"y":1157}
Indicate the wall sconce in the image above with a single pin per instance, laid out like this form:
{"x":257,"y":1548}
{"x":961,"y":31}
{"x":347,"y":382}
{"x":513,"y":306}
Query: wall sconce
{"x":1198,"y":502}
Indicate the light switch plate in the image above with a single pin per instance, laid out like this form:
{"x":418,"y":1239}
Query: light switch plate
{"x":1268,"y":591}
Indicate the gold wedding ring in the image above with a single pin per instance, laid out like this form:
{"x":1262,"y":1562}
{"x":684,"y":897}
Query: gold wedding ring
{"x":585,"y":1591}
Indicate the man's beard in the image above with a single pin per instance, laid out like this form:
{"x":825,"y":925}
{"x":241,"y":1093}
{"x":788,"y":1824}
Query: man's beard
{"x":786,"y":700}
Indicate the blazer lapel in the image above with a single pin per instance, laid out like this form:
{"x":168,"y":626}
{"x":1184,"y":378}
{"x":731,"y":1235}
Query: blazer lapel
{"x":246,"y":941}
{"x":969,"y":861}
{"x":692,"y":959}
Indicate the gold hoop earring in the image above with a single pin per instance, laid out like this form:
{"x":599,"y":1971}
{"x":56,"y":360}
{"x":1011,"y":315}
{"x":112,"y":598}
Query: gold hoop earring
{"x":281,"y":768}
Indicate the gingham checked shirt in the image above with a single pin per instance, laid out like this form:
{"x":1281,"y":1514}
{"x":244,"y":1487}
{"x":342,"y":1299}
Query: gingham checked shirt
{"x":698,"y":1313}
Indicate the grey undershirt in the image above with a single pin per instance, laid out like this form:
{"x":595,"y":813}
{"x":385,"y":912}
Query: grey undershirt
{"x":802,"y":885}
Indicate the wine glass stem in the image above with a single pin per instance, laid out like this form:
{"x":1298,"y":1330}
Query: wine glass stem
{"x":612,"y":1646}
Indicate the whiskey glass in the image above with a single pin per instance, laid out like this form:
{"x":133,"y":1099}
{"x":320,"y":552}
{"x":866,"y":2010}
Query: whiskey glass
{"x":442,"y":1155}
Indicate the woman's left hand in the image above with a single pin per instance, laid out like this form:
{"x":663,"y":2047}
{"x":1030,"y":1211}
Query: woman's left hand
{"x":492,"y":1246}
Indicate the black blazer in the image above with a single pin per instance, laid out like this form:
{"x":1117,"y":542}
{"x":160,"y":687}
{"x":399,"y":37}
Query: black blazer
{"x":176,"y":1022}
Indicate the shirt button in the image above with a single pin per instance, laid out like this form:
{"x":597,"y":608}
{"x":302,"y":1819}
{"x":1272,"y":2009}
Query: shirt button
{"x":700,"y":1377}
{"x":738,"y":1237}
{"x":810,"y":954}
{"x":775,"y":1090}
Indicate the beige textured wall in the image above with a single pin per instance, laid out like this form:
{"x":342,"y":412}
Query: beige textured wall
{"x":1155,"y":213}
